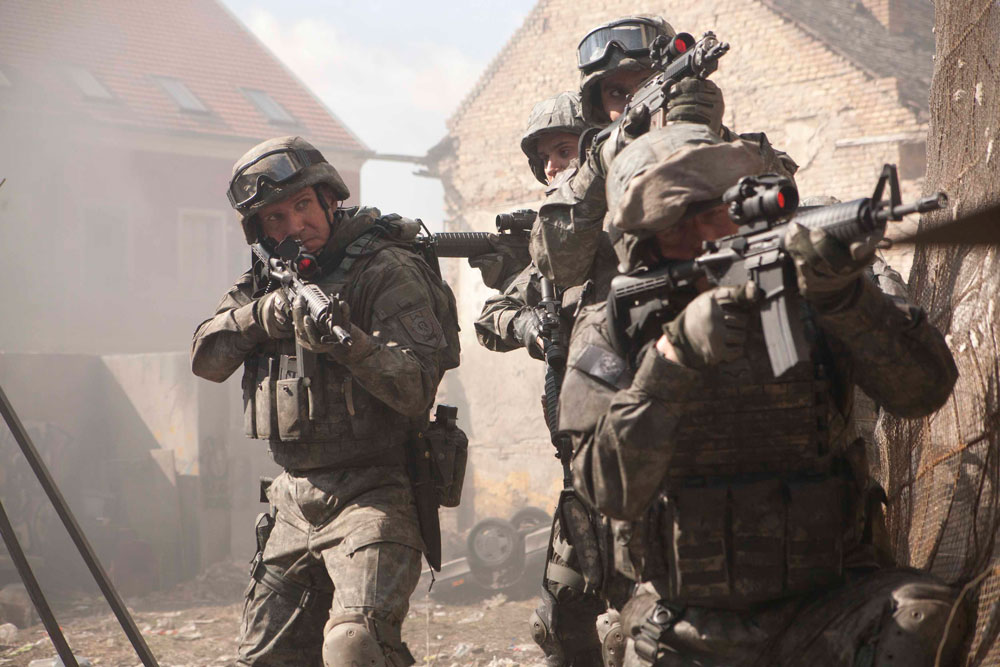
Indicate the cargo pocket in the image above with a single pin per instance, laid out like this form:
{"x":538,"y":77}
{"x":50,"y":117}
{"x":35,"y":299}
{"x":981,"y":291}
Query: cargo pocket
{"x":758,"y":528}
{"x":815,"y":534}
{"x":698,"y":566}
{"x":293,"y":409}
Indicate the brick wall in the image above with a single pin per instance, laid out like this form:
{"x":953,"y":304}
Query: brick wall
{"x":838,"y":122}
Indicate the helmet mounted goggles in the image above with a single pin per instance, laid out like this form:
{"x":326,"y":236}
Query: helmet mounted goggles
{"x":272,"y":168}
{"x":633,"y":36}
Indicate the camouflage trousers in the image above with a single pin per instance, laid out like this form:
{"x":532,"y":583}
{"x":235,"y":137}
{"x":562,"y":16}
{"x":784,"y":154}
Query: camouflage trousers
{"x":877,"y":619}
{"x":352,"y":538}
{"x":576,"y":620}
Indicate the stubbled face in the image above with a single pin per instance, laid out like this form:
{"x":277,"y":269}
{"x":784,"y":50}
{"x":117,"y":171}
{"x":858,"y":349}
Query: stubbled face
{"x":684,"y":241}
{"x":298,"y":216}
{"x":556,"y":150}
{"x":617,"y":89}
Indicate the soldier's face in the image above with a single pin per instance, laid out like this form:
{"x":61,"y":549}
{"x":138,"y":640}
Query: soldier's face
{"x":617,"y":90}
{"x":300,"y":217}
{"x":556,"y":149}
{"x":684,"y":241}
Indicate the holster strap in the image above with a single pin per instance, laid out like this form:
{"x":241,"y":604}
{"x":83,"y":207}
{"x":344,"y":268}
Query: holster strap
{"x":303,"y":596}
{"x":560,"y":574}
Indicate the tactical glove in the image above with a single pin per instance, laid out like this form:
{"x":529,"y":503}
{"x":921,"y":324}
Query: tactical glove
{"x":310,"y":335}
{"x":712,"y":329}
{"x":828,"y":270}
{"x":696,"y":100}
{"x":527,"y":326}
{"x":273,"y":314}
{"x":510,"y":257}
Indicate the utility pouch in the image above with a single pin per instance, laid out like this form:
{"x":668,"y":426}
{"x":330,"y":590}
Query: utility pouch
{"x":449,"y":452}
{"x":293,"y":408}
{"x":265,"y":416}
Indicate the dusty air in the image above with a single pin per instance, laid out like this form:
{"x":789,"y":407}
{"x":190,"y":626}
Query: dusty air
{"x":539,"y":333}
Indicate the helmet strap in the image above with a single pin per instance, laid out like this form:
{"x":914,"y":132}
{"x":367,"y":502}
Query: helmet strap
{"x":327,"y":210}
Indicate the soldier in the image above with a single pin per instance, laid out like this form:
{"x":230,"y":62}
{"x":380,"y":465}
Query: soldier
{"x":739,"y":499}
{"x":572,"y":623}
{"x":614,"y":60}
{"x":332,"y":580}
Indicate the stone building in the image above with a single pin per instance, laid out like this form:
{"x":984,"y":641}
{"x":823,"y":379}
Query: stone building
{"x":841,"y":85}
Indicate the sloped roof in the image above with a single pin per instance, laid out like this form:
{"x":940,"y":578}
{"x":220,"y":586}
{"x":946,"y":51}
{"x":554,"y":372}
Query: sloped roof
{"x":127,"y":44}
{"x":848,"y":28}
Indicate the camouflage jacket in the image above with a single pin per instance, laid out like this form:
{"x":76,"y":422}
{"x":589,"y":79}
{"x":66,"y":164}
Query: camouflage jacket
{"x":494,"y":327}
{"x":367,"y":402}
{"x":567,"y":234}
{"x":623,"y":421}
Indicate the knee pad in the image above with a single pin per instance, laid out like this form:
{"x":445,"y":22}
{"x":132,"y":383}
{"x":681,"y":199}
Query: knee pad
{"x":351,"y":644}
{"x":609,"y":631}
{"x":915,"y":624}
{"x":542,"y":629}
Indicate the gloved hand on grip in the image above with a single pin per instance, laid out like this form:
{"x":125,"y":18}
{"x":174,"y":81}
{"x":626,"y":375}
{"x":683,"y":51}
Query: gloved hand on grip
{"x":510,"y":257}
{"x":527,"y":326}
{"x":310,"y":335}
{"x":273,"y":314}
{"x":698,"y":101}
{"x":828,"y":270}
{"x":712,"y":329}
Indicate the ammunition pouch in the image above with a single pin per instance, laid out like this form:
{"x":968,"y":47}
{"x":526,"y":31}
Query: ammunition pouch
{"x":738,"y":543}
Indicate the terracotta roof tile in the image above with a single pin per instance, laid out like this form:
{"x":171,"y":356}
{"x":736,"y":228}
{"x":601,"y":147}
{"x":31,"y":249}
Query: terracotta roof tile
{"x":125,"y":44}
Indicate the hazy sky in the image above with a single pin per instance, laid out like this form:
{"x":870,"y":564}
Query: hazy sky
{"x":391,"y":70}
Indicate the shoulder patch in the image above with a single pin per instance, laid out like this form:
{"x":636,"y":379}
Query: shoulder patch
{"x":423,"y":327}
{"x":605,"y":366}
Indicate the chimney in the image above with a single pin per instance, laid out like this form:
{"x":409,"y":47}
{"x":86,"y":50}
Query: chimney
{"x":902,"y":17}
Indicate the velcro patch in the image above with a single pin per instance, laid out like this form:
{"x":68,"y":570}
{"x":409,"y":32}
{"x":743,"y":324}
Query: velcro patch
{"x":423,"y":327}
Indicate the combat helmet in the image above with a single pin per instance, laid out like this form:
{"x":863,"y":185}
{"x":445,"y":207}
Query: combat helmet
{"x":557,"y":114}
{"x":668,"y":175}
{"x":273,"y":170}
{"x":621,"y":44}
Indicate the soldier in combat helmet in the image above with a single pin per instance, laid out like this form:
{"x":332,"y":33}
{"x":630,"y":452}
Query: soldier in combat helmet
{"x":614,"y":60}
{"x":739,"y":500}
{"x":572,"y":623}
{"x":339,"y":555}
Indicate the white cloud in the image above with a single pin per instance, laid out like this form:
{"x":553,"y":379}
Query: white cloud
{"x":395,"y":96}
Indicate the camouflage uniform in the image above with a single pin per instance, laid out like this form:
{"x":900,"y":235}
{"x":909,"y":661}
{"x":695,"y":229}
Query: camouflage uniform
{"x":572,"y":619}
{"x":570,"y":221}
{"x":739,"y":499}
{"x":337,"y":569}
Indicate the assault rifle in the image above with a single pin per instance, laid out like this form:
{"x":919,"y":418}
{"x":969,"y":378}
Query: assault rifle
{"x":763,"y":206}
{"x":555,"y":369}
{"x":284,"y":267}
{"x":516,"y":224}
{"x":674,"y":59}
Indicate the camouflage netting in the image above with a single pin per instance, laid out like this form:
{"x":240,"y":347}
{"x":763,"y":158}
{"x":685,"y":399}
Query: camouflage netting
{"x":942,"y":474}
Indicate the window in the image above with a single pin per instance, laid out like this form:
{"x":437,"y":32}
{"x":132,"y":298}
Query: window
{"x":181,"y":94}
{"x":89,"y":84}
{"x":269,"y":107}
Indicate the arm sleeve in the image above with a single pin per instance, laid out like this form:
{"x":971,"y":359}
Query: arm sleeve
{"x":408,"y":349}
{"x":493,"y":327}
{"x":222,"y":342}
{"x":900,"y":360}
{"x":622,"y":430}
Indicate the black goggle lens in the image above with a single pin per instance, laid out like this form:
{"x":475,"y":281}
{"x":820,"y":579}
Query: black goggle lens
{"x":633,"y":38}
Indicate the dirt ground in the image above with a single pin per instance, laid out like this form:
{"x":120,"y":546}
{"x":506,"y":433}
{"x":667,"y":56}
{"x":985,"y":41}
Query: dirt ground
{"x":196,"y":625}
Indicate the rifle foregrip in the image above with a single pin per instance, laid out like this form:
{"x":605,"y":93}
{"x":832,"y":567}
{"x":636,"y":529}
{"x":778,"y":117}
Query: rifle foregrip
{"x":846,"y":222}
{"x":462,"y":244}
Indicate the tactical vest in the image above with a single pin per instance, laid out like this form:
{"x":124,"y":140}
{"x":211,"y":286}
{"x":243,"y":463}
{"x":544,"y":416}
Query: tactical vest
{"x":326,"y":419}
{"x":756,"y":502}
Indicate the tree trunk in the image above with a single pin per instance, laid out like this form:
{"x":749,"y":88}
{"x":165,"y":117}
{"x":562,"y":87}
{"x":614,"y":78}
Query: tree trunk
{"x":942,"y":473}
